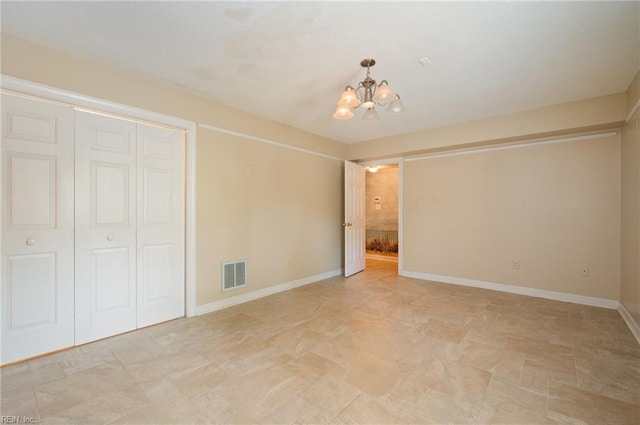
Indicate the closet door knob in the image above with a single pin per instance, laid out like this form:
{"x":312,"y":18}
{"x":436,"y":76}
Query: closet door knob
{"x":30,"y":241}
{"x":109,"y":238}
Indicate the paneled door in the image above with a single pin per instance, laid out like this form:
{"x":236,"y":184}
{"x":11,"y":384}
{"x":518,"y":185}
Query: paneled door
{"x":160,"y":224}
{"x":105,"y":228}
{"x":37,"y":228}
{"x":354,"y":215}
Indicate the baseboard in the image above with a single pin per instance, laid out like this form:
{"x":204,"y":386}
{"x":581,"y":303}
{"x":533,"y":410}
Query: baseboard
{"x":260,"y":293}
{"x":532,"y":292}
{"x":631,"y":323}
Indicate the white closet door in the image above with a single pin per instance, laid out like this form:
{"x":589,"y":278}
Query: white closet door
{"x":160,"y":169}
{"x":37,"y":228}
{"x":105,"y":231}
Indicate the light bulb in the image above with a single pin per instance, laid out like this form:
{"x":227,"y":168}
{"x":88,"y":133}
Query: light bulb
{"x":371,"y":115}
{"x":342,"y":113}
{"x":349,"y":98}
{"x":384,"y":93}
{"x":396,"y":105}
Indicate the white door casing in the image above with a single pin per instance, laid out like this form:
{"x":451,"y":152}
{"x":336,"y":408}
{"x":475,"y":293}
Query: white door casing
{"x":354,"y":218}
{"x":160,"y":224}
{"x":105,"y":230}
{"x":37,"y":228}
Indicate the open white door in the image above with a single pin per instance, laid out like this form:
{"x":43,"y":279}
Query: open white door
{"x":354,"y":224}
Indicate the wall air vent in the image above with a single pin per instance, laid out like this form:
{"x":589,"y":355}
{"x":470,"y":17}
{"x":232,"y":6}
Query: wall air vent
{"x":234,"y":275}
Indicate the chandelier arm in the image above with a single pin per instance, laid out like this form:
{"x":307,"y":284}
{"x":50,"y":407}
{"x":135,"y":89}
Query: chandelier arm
{"x":359,"y":94}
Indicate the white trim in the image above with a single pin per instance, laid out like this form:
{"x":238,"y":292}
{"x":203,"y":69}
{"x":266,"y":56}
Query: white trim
{"x":191,"y":234}
{"x":93,"y":104}
{"x":532,"y":292}
{"x":401,"y":214}
{"x":631,"y":323}
{"x":17,"y":86}
{"x":385,"y":161}
{"x":260,"y":293}
{"x":633,"y":110}
{"x":510,"y":146}
{"x":267,"y":141}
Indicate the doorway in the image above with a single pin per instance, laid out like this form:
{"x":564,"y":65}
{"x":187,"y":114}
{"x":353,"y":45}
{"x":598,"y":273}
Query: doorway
{"x":382,"y":212}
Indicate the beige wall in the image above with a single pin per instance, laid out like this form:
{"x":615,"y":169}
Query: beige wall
{"x":554,"y":208}
{"x":585,"y":115}
{"x":630,"y":231}
{"x":278,"y":208}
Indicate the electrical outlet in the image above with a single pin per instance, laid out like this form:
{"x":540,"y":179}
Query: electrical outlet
{"x":516,"y":265}
{"x":585,"y":271}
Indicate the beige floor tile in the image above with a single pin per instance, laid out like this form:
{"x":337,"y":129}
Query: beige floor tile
{"x":442,"y":330}
{"x":573,"y":405}
{"x":261,"y":360}
{"x":610,"y":372}
{"x":513,"y":414}
{"x":457,"y":381}
{"x":216,"y":406}
{"x":519,"y":325}
{"x":365,"y":409}
{"x":488,"y":336}
{"x":167,"y":366}
{"x":25,"y":407}
{"x":158,"y":389}
{"x":485,"y":357}
{"x":200,"y":380}
{"x":25,"y":377}
{"x":372,"y":348}
{"x":318,"y":404}
{"x":133,"y":348}
{"x":62,"y":394}
{"x":103,"y":409}
{"x":438,"y":408}
{"x":233,"y":347}
{"x":313,"y":366}
{"x":294,"y":341}
{"x":372,"y":374}
{"x":503,"y":391}
{"x":257,"y":394}
{"x":174,"y":410}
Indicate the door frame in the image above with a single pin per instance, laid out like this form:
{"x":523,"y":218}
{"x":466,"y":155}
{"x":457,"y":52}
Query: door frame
{"x":20,"y":87}
{"x":400,"y":163}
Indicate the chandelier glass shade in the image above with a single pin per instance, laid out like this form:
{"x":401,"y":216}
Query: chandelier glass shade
{"x":367,"y":95}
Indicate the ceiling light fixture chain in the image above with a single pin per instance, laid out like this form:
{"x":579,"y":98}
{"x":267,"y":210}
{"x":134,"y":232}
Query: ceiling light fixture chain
{"x":367,"y":95}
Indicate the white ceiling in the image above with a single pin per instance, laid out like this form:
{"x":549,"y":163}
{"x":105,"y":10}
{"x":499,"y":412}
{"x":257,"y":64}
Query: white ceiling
{"x":289,"y":61}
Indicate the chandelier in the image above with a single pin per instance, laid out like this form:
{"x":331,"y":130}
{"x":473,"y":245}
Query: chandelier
{"x":367,"y":95}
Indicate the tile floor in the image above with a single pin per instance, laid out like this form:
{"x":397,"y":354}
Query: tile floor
{"x":372,"y":349}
